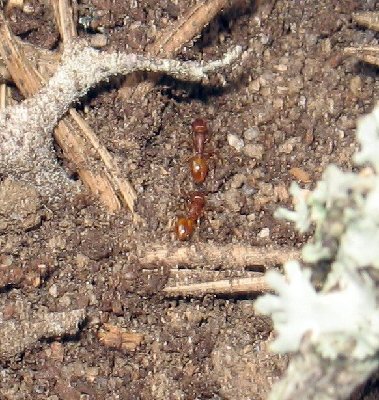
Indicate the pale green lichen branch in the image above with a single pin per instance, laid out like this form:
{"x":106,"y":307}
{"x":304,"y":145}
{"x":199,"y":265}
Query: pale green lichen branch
{"x":339,"y":322}
{"x":26,"y":150}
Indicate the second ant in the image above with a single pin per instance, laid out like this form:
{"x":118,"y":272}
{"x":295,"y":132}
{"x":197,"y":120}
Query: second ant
{"x":198,"y":163}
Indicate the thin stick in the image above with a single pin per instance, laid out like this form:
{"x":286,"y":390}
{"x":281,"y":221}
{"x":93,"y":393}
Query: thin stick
{"x":369,"y":54}
{"x":63,"y":12}
{"x":64,"y":16}
{"x":169,"y":42}
{"x":368,"y":19}
{"x":228,"y":255}
{"x":3,"y":95}
{"x":227,"y":286}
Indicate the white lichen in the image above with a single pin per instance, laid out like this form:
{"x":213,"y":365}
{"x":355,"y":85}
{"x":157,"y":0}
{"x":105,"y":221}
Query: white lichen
{"x":338,"y":323}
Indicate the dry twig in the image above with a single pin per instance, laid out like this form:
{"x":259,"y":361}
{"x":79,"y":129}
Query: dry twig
{"x":169,"y":42}
{"x":206,"y":253}
{"x":369,"y":54}
{"x":81,"y":146}
{"x":117,"y":338}
{"x":232,"y":287}
{"x":64,"y":16}
{"x":368,"y":19}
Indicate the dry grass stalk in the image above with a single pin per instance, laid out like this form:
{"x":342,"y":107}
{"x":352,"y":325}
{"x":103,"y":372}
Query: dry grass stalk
{"x":231,"y":287}
{"x":368,"y":19}
{"x":3,"y":95}
{"x":369,"y":54}
{"x":185,"y":276}
{"x":14,"y":4}
{"x":169,"y":42}
{"x":63,"y":12}
{"x":206,"y":253}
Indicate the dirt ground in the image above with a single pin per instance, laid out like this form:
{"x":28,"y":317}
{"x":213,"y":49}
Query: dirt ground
{"x":294,"y":101}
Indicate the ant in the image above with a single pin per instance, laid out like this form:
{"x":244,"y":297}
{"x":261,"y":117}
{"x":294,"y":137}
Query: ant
{"x":185,"y":226}
{"x":198,"y":163}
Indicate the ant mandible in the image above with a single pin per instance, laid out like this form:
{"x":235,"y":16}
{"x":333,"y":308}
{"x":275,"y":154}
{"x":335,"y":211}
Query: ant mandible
{"x":198,"y":163}
{"x":185,"y":226}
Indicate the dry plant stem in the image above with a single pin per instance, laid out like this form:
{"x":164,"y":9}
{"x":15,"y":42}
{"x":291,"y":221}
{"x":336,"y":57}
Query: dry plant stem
{"x":185,"y":276}
{"x":17,"y":336}
{"x":63,"y":12}
{"x":117,"y":338}
{"x":3,"y":95}
{"x":232,"y":287}
{"x":369,"y":54}
{"x":114,"y":183}
{"x":119,"y":185}
{"x":228,"y":255}
{"x":368,"y":19}
{"x":169,"y":42}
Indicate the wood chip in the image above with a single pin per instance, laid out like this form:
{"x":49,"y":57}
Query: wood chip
{"x":300,"y":175}
{"x":117,"y":338}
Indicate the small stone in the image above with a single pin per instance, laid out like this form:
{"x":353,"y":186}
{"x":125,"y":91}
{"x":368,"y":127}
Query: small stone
{"x":264,"y":233}
{"x":57,"y":351}
{"x":237,"y":181}
{"x":53,"y":290}
{"x":281,"y":67}
{"x":266,"y":189}
{"x":98,"y":40}
{"x":300,"y":175}
{"x":251,"y":217}
{"x":255,"y":85}
{"x":234,"y":200}
{"x":251,"y":134}
{"x":236,"y":142}
{"x":356,"y":85}
{"x":278,"y":103}
{"x":254,"y":151}
{"x":281,"y":192}
{"x":286,"y":147}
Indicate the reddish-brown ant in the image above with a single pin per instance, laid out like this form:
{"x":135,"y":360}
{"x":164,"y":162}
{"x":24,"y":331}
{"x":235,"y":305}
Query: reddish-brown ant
{"x":198,"y":163}
{"x":185,"y":226}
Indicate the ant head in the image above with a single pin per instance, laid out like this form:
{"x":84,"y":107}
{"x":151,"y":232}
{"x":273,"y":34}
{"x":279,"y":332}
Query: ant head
{"x":198,"y":198}
{"x":199,"y":126}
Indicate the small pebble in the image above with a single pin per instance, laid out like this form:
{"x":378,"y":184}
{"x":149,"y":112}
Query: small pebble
{"x":254,"y":151}
{"x":300,"y":175}
{"x":286,"y":147}
{"x":251,"y":217}
{"x":264,"y":233}
{"x":281,"y":192}
{"x":356,"y":85}
{"x":233,"y":199}
{"x":53,"y":290}
{"x":237,"y":181}
{"x":98,"y":40}
{"x":251,"y":134}
{"x":235,"y":142}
